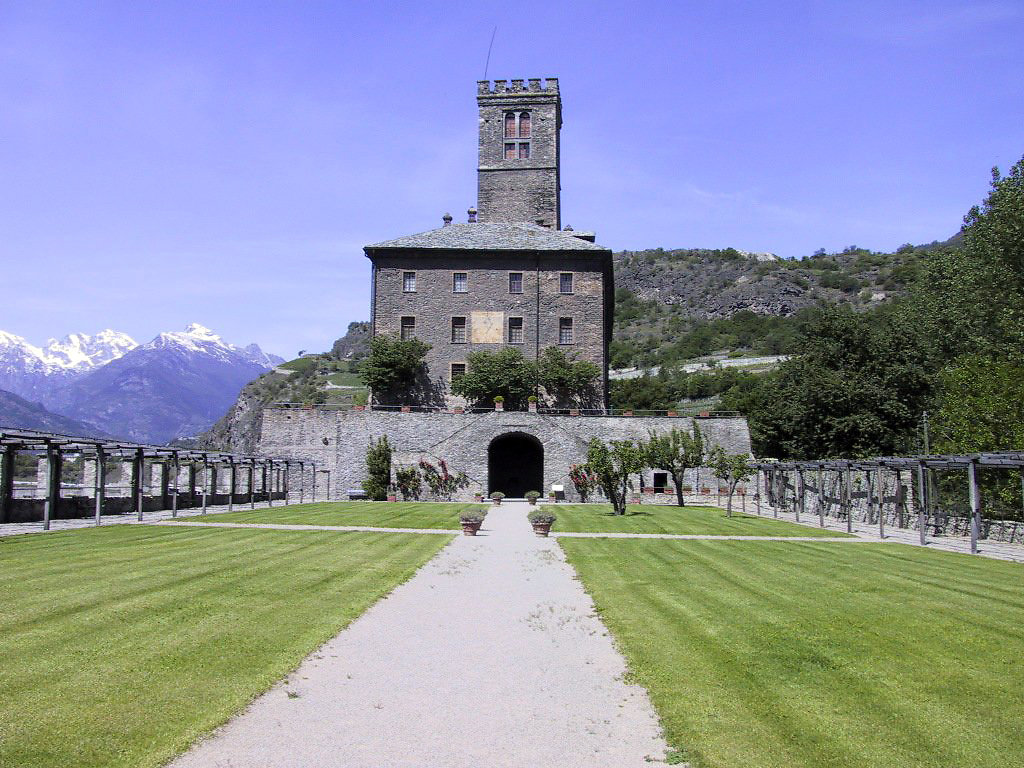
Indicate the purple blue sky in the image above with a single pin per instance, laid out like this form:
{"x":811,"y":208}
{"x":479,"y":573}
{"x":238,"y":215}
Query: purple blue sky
{"x":224,"y":163}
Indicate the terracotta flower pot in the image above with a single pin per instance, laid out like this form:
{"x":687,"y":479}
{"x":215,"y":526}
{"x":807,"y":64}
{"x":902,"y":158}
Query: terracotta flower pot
{"x":392,"y":497}
{"x":406,"y":409}
{"x":541,"y":529}
{"x":673,"y":413}
{"x":470,"y":529}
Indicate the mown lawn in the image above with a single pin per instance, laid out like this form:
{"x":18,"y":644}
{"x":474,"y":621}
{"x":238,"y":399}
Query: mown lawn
{"x":648,"y":518}
{"x":379,"y":514}
{"x":803,"y":655}
{"x":122,"y":645}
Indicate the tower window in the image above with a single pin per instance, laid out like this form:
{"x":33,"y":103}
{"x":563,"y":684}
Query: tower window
{"x":460,"y":282}
{"x":408,"y":327}
{"x":565,"y":330}
{"x":408,"y":282}
{"x":515,"y":330}
{"x":458,"y":371}
{"x":517,"y":125}
{"x":458,"y":330}
{"x":515,"y":282}
{"x":565,"y":282}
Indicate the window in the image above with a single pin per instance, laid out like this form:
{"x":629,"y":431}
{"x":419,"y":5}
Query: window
{"x":460,"y":282}
{"x":565,"y":282}
{"x":515,"y":282}
{"x":408,"y":327}
{"x":660,"y":481}
{"x":517,"y":125}
{"x":458,"y":330}
{"x":515,"y":330}
{"x":408,"y":282}
{"x":565,"y":330}
{"x":458,"y":371}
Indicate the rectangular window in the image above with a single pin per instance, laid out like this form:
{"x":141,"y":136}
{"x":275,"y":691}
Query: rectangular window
{"x":408,"y":327}
{"x":408,"y":282}
{"x":515,"y":282}
{"x":458,"y":330}
{"x":458,"y":370}
{"x":660,"y":481}
{"x":524,"y":151}
{"x":460,"y":282}
{"x":565,"y":330}
{"x":510,"y":151}
{"x":515,"y":330}
{"x":565,"y":282}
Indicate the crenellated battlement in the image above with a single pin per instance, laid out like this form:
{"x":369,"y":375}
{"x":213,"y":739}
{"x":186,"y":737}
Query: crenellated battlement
{"x":506,"y":87}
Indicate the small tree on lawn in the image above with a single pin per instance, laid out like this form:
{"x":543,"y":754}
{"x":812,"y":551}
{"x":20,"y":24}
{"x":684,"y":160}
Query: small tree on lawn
{"x":442,"y":483}
{"x":733,"y":469}
{"x":378,"y":469}
{"x":583,"y":481}
{"x":676,"y":452}
{"x":409,"y":482}
{"x":613,"y":465}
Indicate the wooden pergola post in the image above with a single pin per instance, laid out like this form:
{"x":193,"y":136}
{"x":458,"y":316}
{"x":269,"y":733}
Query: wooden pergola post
{"x":975,"y":492}
{"x":6,"y":484}
{"x":206,"y":481}
{"x":252,"y":483}
{"x":232,"y":484}
{"x":922,"y":503}
{"x":798,"y":493}
{"x":176,"y":471}
{"x":848,"y":498}
{"x":880,"y":481}
{"x":138,"y":465}
{"x":53,"y":473}
{"x":302,"y":482}
{"x":101,"y":482}
{"x":821,"y":496}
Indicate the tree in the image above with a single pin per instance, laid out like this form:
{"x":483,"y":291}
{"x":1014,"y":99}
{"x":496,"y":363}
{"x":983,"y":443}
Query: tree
{"x":982,"y":406}
{"x":733,"y":469}
{"x":566,"y":379}
{"x":583,"y":481}
{"x":409,"y":482}
{"x":393,"y":366}
{"x":676,"y":452}
{"x":613,"y":465}
{"x":442,"y":483}
{"x":505,"y":373}
{"x":378,"y":469}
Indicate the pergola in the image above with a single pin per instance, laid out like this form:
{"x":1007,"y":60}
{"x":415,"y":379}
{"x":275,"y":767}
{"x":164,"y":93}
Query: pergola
{"x":54,"y":448}
{"x":917,"y":468}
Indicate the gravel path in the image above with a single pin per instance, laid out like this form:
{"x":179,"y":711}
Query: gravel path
{"x":490,"y":656}
{"x":304,"y":527}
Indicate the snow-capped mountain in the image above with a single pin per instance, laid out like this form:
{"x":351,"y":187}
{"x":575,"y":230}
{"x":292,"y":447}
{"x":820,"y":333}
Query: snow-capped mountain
{"x":175,"y":385}
{"x":82,"y":352}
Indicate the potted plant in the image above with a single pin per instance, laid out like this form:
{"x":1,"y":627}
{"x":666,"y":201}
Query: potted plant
{"x":532,"y":496}
{"x":499,"y":403}
{"x":552,"y":497}
{"x":472,"y":520}
{"x":541,"y":521}
{"x":628,"y":412}
{"x":574,"y":411}
{"x":673,"y":414}
{"x":478,"y":497}
{"x":496,"y":497}
{"x":531,"y":403}
{"x":406,"y":409}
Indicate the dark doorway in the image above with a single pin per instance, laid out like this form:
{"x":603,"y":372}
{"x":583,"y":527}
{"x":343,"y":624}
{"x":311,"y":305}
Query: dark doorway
{"x":515,"y":463}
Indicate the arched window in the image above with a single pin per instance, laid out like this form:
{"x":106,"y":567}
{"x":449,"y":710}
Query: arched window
{"x":510,"y":125}
{"x":524,"y":125}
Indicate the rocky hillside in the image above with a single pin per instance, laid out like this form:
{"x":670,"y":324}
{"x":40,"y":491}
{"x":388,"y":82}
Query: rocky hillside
{"x":318,"y":378}
{"x":17,"y":412}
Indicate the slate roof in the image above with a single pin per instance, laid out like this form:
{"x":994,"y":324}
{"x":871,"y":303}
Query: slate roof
{"x":491,"y":236}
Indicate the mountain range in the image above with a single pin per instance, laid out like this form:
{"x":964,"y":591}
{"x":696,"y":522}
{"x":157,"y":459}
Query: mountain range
{"x":174,"y":386}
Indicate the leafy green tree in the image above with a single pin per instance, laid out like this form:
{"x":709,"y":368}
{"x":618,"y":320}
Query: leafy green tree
{"x":505,"y":373}
{"x":378,"y":469}
{"x":675,"y":452}
{"x":393,"y":366}
{"x":566,"y":379}
{"x":614,"y":464}
{"x":982,"y":406}
{"x":732,"y":469}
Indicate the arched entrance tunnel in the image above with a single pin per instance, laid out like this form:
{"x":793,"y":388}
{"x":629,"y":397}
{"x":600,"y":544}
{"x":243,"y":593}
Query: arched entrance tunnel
{"x":515,"y":464}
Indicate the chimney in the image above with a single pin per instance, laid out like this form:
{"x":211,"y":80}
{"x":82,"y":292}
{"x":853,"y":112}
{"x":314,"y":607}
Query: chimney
{"x":472,"y":215}
{"x":447,"y":219}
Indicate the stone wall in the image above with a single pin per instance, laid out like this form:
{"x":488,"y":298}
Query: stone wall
{"x":337,"y":440}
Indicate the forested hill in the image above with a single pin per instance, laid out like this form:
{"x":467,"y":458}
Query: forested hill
{"x":679,"y":304}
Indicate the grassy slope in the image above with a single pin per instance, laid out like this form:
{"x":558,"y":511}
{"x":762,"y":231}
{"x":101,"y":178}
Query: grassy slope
{"x":597,"y":518}
{"x":379,"y":514}
{"x":122,"y":645}
{"x":760,"y":654}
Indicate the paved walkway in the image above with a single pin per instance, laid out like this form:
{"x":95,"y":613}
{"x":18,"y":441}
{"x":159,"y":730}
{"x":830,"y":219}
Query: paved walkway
{"x":490,"y":656}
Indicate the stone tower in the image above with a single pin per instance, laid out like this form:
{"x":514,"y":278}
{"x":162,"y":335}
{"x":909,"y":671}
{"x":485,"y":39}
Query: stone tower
{"x":518,"y":170}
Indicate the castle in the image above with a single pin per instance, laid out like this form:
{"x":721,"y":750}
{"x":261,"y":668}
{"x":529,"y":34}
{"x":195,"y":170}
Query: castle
{"x":509,"y":276}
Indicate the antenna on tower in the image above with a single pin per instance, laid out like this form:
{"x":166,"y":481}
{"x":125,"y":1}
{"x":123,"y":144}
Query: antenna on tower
{"x":487,"y":64}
